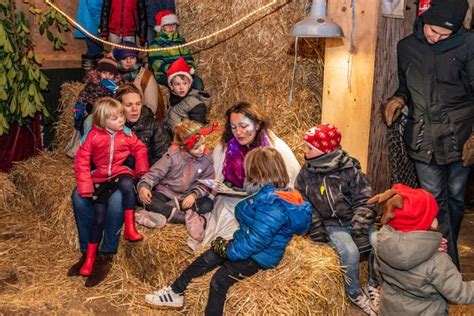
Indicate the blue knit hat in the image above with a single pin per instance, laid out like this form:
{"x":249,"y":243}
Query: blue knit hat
{"x":122,"y":53}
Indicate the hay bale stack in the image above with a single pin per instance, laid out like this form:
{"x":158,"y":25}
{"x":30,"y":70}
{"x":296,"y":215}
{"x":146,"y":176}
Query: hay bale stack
{"x":8,"y":191}
{"x":160,"y":257}
{"x":47,"y":181}
{"x":308,"y":281}
{"x":64,"y":127}
{"x":254,"y":61}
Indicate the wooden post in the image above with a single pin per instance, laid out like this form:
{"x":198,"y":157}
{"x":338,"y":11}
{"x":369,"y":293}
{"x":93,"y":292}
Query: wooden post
{"x":390,"y":31}
{"x":349,"y":78}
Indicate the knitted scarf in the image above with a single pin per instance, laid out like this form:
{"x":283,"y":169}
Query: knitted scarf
{"x":129,"y":75}
{"x":233,"y":169}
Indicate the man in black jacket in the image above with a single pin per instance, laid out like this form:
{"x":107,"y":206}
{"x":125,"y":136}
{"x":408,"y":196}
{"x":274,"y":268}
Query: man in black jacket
{"x":436,"y":88}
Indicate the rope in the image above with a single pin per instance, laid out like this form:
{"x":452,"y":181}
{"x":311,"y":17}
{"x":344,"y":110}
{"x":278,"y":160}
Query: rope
{"x":149,"y":50}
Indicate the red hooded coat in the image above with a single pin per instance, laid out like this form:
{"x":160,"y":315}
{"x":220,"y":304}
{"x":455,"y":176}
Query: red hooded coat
{"x":108,"y":152}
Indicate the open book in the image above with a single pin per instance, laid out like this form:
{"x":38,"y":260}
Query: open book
{"x":221,"y":188}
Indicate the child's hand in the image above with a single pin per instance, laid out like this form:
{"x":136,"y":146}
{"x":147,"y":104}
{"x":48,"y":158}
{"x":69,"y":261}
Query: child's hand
{"x":443,"y":246}
{"x":145,"y":195}
{"x":189,"y":201}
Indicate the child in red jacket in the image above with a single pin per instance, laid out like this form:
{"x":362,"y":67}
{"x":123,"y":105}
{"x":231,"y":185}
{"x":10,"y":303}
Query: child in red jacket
{"x":107,"y":146}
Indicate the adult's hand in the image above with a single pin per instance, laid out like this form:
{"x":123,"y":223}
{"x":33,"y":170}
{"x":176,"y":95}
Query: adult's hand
{"x":392,"y":109}
{"x":145,"y":195}
{"x":468,"y":152}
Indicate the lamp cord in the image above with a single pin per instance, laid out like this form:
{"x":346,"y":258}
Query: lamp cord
{"x":292,"y":86}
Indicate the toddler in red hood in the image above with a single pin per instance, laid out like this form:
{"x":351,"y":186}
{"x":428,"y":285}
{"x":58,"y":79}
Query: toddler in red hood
{"x":417,"y":278}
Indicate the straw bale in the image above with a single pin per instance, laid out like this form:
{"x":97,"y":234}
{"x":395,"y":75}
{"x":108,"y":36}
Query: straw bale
{"x":161,"y":257}
{"x":64,"y":127}
{"x":308,"y":281}
{"x":47,"y":180}
{"x":7,"y":191}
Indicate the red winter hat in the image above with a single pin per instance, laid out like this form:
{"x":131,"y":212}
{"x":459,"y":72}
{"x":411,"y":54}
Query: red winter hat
{"x":418,"y":211}
{"x":165,"y":17}
{"x":179,"y":67}
{"x":324,"y":137}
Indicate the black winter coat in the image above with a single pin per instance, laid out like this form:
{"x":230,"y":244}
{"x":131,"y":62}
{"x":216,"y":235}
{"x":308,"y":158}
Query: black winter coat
{"x":437,"y":81}
{"x":338,"y":191}
{"x":151,"y":132}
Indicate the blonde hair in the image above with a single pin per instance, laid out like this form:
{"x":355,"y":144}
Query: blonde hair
{"x":265,"y":165}
{"x":185,"y":129}
{"x":105,"y":108}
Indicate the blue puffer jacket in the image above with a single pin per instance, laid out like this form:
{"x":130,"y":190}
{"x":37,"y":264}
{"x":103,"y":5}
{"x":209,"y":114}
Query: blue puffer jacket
{"x":267,"y":221}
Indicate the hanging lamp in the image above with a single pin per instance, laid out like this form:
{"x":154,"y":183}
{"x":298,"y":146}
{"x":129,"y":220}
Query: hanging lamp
{"x":317,"y":24}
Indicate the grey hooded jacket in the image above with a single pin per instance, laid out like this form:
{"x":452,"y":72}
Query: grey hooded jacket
{"x":416,"y":278}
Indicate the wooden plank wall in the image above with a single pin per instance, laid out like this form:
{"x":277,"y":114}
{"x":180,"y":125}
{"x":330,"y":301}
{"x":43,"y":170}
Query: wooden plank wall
{"x":71,"y":57}
{"x":389,"y":32}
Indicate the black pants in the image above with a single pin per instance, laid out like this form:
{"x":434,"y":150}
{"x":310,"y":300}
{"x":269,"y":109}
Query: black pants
{"x":159,"y":204}
{"x":102,"y":194}
{"x":223,"y":279}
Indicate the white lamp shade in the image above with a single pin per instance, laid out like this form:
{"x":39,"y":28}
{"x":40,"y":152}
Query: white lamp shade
{"x":317,"y":24}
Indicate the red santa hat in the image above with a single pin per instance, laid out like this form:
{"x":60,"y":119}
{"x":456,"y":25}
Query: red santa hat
{"x":324,"y":137}
{"x":179,"y":67}
{"x":418,"y":211}
{"x":165,"y":17}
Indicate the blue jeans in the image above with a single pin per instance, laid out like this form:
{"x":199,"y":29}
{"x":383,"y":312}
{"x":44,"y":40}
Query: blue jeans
{"x":94,"y":49}
{"x":341,"y":240}
{"x":84,"y":215}
{"x":447,"y":183}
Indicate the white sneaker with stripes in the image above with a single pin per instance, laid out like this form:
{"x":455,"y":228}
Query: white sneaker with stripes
{"x":165,"y":297}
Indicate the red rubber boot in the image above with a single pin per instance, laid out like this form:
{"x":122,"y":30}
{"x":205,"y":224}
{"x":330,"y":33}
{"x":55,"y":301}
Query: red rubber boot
{"x":130,"y":232}
{"x":88,"y":265}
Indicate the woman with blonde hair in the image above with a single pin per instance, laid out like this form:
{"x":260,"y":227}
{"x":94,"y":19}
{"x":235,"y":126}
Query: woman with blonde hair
{"x":106,"y":146}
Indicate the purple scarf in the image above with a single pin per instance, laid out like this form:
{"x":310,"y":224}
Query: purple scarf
{"x":235,"y":153}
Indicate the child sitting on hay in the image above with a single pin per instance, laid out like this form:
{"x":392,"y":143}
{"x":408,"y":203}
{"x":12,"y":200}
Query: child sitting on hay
{"x":268,"y":219}
{"x":166,"y":26}
{"x":184,"y":102}
{"x":175,"y":178}
{"x":107,"y":145}
{"x":338,"y":190}
{"x":417,"y":275}
{"x":101,"y":82}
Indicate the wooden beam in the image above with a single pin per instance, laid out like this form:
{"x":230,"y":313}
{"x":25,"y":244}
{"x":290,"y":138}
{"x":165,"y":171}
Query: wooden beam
{"x":348,"y":78}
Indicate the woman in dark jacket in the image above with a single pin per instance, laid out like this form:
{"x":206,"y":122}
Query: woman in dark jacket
{"x":141,"y":121}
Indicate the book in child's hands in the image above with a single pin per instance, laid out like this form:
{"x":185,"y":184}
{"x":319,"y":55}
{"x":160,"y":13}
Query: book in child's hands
{"x":221,"y":188}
